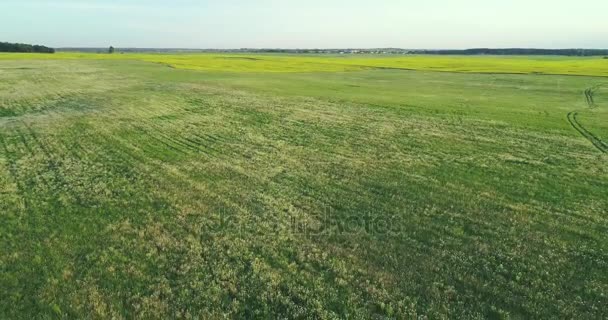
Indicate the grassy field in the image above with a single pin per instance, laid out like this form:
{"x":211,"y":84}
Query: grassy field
{"x":339,"y":187}
{"x":265,"y":63}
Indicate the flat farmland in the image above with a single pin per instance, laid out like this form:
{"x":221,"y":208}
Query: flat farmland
{"x":267,"y":186}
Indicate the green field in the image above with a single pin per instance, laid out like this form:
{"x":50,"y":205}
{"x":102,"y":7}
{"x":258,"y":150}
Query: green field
{"x":204,"y":186}
{"x":266,"y":63}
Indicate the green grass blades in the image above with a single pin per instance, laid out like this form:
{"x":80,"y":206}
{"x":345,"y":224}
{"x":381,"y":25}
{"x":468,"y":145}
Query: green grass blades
{"x":133,"y":190}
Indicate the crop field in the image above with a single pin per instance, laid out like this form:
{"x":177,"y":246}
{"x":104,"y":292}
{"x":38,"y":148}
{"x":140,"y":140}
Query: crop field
{"x":265,"y":186}
{"x":264,"y":63}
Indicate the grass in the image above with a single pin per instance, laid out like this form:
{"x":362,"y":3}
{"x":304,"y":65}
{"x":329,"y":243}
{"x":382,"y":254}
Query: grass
{"x":133,"y":190}
{"x":592,"y":66}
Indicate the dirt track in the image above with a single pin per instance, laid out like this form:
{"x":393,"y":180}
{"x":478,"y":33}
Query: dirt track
{"x":597,"y":142}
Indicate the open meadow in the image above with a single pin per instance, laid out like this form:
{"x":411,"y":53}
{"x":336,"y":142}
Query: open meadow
{"x":267,"y":186}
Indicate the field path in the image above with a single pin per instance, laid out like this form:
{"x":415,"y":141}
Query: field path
{"x":572,"y":118}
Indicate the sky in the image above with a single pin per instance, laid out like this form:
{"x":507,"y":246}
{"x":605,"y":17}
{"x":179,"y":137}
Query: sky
{"x":414,"y":24}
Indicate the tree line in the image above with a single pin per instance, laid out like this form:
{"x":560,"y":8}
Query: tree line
{"x":22,"y":47}
{"x":519,"y":51}
{"x":479,"y":51}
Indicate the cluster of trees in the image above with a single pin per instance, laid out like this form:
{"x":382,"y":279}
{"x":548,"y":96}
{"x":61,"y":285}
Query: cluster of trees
{"x":21,"y":47}
{"x":110,"y":50}
{"x":518,"y":51}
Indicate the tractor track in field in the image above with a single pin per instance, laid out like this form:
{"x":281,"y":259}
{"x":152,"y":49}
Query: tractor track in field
{"x":572,"y":118}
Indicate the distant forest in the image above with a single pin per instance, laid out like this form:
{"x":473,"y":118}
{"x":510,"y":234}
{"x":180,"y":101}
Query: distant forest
{"x":518,"y":51}
{"x":481,"y":51}
{"x":21,"y":47}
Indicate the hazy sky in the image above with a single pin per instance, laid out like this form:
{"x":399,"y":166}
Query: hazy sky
{"x":307,"y":23}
